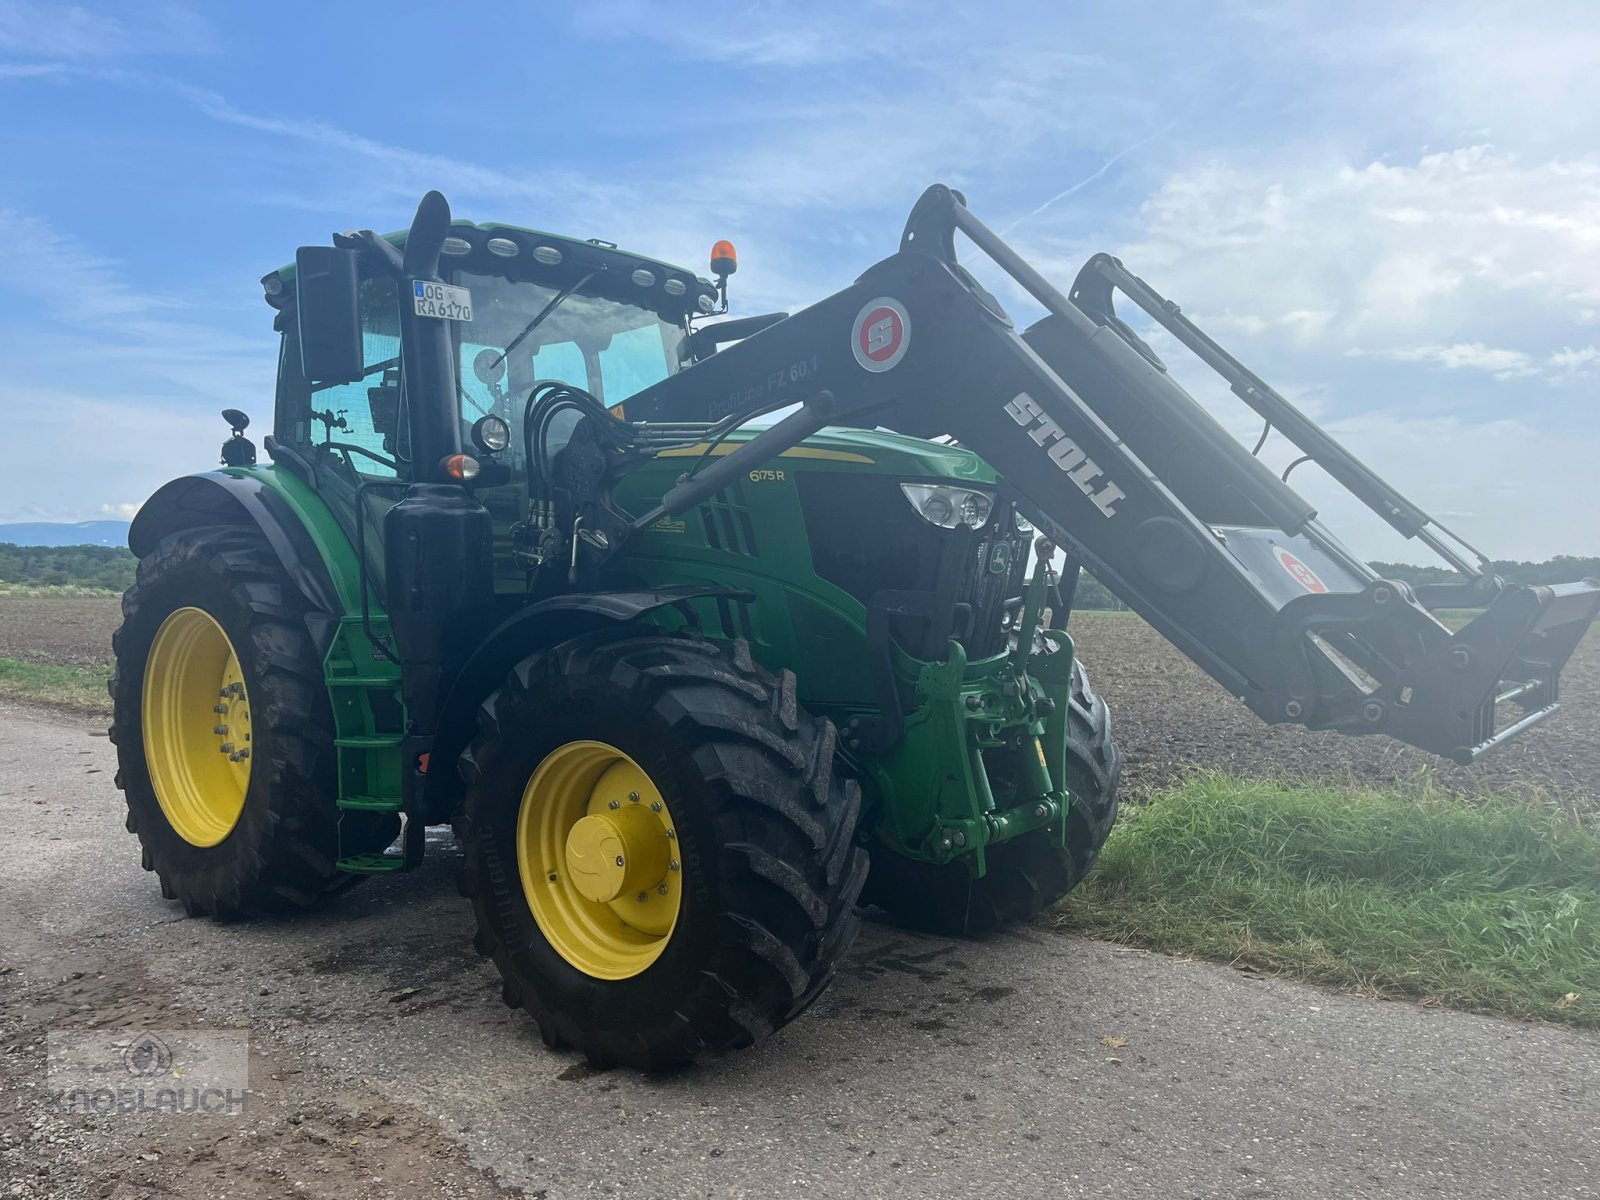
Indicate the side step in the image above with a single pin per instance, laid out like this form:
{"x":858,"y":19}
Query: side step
{"x":369,"y":723}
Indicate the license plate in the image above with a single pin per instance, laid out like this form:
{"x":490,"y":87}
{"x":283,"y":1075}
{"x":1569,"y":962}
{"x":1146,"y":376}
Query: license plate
{"x":442,"y":301}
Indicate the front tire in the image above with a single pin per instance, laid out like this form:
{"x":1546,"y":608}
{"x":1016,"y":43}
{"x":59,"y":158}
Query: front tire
{"x":223,"y":731}
{"x":1028,"y":874}
{"x":756,"y":907}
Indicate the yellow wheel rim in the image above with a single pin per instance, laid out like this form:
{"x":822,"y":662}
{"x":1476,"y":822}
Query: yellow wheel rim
{"x":196,"y":727}
{"x":598,"y":854}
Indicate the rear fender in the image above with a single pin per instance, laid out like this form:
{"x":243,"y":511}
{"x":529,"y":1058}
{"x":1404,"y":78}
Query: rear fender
{"x":246,"y":498}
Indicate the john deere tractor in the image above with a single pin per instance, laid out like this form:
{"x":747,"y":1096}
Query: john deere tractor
{"x":692,"y":688}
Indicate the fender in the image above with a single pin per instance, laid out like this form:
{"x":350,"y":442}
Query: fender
{"x":229,"y":498}
{"x":525,"y":633}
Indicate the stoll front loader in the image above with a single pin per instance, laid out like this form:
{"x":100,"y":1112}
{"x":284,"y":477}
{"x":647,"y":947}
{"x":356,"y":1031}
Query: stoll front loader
{"x":520,"y":563}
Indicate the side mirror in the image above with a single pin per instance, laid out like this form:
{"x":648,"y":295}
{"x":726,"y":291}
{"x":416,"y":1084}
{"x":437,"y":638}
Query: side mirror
{"x":328,"y":301}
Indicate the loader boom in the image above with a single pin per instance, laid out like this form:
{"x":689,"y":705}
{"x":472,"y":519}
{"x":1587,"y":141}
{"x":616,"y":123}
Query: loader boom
{"x":1114,"y":461}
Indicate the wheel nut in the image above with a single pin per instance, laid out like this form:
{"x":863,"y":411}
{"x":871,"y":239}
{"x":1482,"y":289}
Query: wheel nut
{"x":661,"y":889}
{"x":619,"y":860}
{"x":671,"y":866}
{"x":615,"y":804}
{"x":226,"y":748}
{"x":633,"y":797}
{"x":219,"y":729}
{"x":220,"y":709}
{"x":655,"y":806}
{"x":643,"y":896}
{"x":672,"y":833}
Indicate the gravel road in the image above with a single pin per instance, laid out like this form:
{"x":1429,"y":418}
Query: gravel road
{"x":383,"y":1064}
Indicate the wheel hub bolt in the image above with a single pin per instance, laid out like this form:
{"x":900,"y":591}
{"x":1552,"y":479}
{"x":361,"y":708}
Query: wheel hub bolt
{"x":643,"y":896}
{"x":672,"y":833}
{"x":619,"y":860}
{"x":633,"y":797}
{"x":655,"y":806}
{"x":671,"y":866}
{"x":615,"y":804}
{"x":226,"y":748}
{"x":661,"y":889}
{"x":219,"y":729}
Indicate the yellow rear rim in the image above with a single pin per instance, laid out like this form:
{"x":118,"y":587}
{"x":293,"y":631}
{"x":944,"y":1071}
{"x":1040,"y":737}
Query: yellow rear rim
{"x":598,"y":855}
{"x":196,"y":727}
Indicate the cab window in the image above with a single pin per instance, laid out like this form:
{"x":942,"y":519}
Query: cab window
{"x":357,"y":427}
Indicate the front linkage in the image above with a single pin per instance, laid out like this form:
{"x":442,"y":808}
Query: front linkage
{"x":981,"y":759}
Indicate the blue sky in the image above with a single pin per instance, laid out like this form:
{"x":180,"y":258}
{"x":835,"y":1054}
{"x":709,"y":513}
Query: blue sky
{"x":1391,"y":211}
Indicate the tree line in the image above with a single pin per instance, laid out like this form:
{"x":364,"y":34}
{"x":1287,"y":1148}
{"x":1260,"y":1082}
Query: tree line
{"x":67,"y":566}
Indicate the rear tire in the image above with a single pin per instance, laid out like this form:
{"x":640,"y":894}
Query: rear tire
{"x":1025,"y":875}
{"x":763,"y":830}
{"x":275,"y":847}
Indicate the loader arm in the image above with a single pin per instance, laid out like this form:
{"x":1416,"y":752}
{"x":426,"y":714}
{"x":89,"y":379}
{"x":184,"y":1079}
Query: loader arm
{"x":1113,"y":460}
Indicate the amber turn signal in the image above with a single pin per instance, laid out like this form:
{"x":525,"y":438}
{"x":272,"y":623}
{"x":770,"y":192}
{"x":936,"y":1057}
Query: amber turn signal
{"x":462,"y":467}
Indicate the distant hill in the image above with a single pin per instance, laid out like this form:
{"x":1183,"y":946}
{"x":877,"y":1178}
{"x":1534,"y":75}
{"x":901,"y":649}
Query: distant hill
{"x":61,"y":533}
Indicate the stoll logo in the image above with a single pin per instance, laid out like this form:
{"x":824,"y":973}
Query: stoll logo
{"x":174,"y":1072}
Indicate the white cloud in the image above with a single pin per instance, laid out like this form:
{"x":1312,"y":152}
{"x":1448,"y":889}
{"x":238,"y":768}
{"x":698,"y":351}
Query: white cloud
{"x":68,"y":31}
{"x":123,"y":511}
{"x":1568,"y":359}
{"x":1472,"y":356}
{"x":1450,"y":240}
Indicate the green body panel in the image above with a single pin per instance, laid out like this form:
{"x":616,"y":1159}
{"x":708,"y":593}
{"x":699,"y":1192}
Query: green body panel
{"x":363,"y":685}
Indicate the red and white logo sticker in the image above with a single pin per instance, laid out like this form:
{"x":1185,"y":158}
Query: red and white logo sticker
{"x":1300,"y":573}
{"x":881,"y":334}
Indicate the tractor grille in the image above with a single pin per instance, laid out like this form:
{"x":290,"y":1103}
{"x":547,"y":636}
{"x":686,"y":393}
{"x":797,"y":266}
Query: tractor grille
{"x":865,"y":538}
{"x":725,"y":521}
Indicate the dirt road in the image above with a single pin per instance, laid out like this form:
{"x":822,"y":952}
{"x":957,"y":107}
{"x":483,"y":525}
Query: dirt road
{"x":383,"y":1063}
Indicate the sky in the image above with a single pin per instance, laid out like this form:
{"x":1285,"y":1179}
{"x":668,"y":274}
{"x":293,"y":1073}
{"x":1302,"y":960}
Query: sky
{"x":1389,"y":211}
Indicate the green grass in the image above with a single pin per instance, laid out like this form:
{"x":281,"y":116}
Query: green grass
{"x":1492,"y":907}
{"x":75,"y":687}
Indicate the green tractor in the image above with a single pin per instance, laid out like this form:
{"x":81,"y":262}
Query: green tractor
{"x":691,"y":691}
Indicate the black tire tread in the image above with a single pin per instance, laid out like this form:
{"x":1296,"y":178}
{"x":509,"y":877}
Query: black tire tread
{"x":290,"y":864}
{"x":789,"y":880}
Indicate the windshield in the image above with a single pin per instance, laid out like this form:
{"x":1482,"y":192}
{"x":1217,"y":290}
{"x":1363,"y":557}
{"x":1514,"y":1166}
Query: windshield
{"x":608,"y":348}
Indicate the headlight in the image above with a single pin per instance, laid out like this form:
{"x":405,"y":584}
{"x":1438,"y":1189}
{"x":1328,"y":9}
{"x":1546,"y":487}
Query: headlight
{"x":949,"y":507}
{"x":491,"y":434}
{"x":1023,"y":525}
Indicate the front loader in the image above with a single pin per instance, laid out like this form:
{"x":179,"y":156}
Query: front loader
{"x":691,"y":691}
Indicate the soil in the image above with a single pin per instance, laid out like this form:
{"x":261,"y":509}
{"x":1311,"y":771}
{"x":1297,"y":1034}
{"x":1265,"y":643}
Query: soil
{"x":67,"y":631}
{"x":1170,"y":718}
{"x":304,"y":1134}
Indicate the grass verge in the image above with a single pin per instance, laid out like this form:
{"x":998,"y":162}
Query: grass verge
{"x":75,"y":687}
{"x":1492,"y":907}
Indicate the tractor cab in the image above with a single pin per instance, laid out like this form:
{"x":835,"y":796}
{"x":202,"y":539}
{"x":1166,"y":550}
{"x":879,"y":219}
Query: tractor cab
{"x":543,"y":309}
